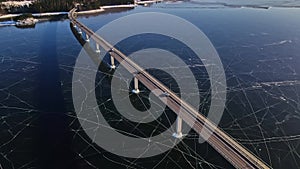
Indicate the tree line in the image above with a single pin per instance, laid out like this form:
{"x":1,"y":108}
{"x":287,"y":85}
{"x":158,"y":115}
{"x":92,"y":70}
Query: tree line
{"x":40,"y":6}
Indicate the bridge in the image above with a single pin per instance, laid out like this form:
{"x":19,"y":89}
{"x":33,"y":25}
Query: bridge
{"x":224,"y":144}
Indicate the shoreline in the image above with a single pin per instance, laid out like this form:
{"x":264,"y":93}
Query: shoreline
{"x":10,"y":16}
{"x":39,"y":16}
{"x":101,"y":9}
{"x":145,"y":3}
{"x":136,"y":3}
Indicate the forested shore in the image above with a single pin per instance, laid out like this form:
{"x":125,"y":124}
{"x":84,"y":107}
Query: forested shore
{"x":40,"y":6}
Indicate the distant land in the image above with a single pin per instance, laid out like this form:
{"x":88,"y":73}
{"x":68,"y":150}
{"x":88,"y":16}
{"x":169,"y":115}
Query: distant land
{"x":42,"y":6}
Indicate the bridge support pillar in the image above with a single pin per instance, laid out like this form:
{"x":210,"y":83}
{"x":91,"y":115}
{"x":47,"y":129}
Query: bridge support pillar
{"x":79,"y":31}
{"x":112,"y":62}
{"x":178,"y":133}
{"x":97,"y":48}
{"x":136,"y":86}
{"x":87,"y":37}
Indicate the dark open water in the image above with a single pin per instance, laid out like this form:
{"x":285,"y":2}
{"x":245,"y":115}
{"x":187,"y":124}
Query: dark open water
{"x":259,"y":49}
